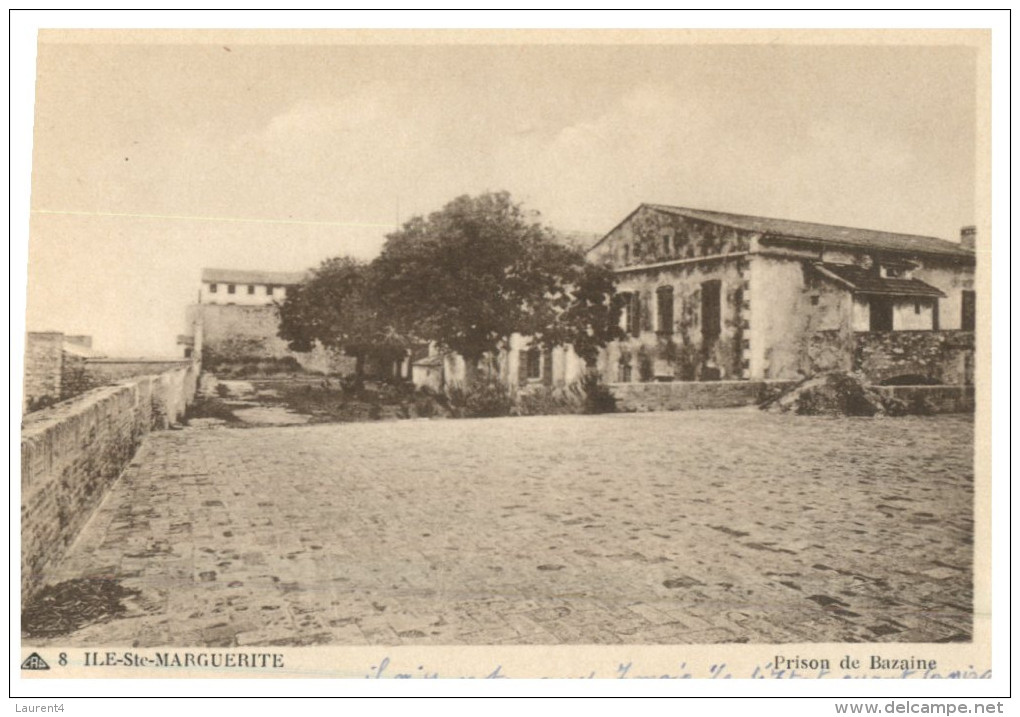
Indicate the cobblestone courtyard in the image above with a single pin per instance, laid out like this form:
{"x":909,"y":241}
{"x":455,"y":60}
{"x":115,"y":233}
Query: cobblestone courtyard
{"x":698,"y":527}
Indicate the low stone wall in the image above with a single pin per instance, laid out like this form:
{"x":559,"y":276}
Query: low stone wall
{"x":102,"y":371}
{"x":690,"y":395}
{"x":933,"y":399}
{"x":71,"y":453}
{"x":945,"y":357}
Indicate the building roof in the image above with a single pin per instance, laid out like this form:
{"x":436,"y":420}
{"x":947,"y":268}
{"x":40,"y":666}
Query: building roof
{"x":433,"y":360}
{"x":825,"y":233}
{"x":864,"y":281}
{"x":243,"y":276}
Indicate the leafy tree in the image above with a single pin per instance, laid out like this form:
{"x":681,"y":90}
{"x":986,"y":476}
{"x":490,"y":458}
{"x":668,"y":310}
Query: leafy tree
{"x":334,"y":307}
{"x":481,"y":269}
{"x":586,"y":312}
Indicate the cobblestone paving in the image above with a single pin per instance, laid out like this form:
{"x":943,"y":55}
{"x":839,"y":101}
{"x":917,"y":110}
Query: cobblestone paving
{"x":698,"y":527}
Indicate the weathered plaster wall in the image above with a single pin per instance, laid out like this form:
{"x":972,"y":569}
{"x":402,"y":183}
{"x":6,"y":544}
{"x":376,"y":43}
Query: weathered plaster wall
{"x":861,"y":314}
{"x":682,"y":354}
{"x":790,"y":303}
{"x":651,"y":236}
{"x":71,"y":453}
{"x":829,"y":351}
{"x":912,"y":315}
{"x":952,"y":279}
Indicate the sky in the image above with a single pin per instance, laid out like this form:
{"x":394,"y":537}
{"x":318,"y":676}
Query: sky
{"x":152,"y":160}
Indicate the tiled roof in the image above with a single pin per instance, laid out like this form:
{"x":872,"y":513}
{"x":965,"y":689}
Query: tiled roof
{"x":242,"y":276}
{"x":846,"y":236}
{"x":864,"y":281}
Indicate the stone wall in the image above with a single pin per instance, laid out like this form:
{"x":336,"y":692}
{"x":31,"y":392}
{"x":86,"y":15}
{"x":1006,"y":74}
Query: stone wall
{"x":938,"y":357}
{"x":932,"y":399}
{"x":101,"y":371}
{"x":43,"y":365}
{"x":689,"y":395}
{"x":72,"y":452}
{"x":233,"y":335}
{"x":945,"y":357}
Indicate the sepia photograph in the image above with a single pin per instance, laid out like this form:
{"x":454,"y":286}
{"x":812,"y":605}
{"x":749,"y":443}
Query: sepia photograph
{"x":368,"y":339}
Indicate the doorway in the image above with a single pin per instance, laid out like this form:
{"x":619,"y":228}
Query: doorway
{"x":881,"y":314}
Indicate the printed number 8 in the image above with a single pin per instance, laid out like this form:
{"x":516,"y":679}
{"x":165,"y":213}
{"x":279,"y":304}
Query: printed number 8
{"x":63,"y":659}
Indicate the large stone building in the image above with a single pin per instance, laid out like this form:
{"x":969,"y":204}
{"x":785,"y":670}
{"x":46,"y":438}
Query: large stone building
{"x":236,"y":320}
{"x":711,"y":296}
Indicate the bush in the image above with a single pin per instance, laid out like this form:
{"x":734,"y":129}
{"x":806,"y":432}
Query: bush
{"x":485,"y":399}
{"x":425,"y":406}
{"x":597,"y":396}
{"x":351,"y":386}
{"x":548,"y":401}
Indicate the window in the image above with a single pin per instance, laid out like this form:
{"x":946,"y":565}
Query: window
{"x":251,"y":288}
{"x":623,"y":298}
{"x":667,"y":243}
{"x":231,"y":288}
{"x":664,"y":304}
{"x":917,"y":307}
{"x":634,"y":315}
{"x":626,"y":253}
{"x":645,"y":311}
{"x":630,"y":314}
{"x":711,"y":309}
{"x":814,"y":300}
{"x":270,"y":289}
{"x":624,"y":372}
{"x":533,"y":357}
{"x":212,"y":288}
{"x":968,"y":311}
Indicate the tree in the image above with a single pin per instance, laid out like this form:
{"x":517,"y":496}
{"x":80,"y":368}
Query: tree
{"x":482,"y":269}
{"x":334,"y":307}
{"x":587,"y":313}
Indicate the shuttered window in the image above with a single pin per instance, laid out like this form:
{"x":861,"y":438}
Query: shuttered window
{"x":968,"y":311}
{"x":664,"y":305}
{"x":711,"y":309}
{"x":533,"y":364}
